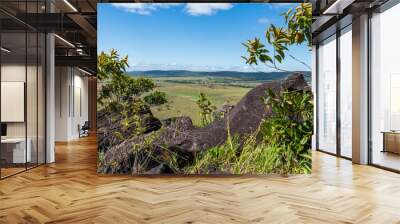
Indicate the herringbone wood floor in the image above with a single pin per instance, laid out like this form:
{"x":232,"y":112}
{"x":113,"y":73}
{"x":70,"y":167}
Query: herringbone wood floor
{"x":70,"y":191}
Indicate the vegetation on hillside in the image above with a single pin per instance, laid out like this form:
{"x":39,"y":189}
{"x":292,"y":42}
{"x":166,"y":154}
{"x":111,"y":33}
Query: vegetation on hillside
{"x":182,"y":98}
{"x":121,"y":96}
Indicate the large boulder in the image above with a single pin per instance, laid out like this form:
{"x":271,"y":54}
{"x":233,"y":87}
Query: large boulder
{"x":108,"y":123}
{"x":180,"y":136}
{"x":245,"y":117}
{"x":172,"y":137}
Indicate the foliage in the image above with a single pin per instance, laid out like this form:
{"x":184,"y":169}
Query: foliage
{"x":233,"y":157}
{"x":219,"y":159}
{"x":281,"y":145}
{"x":143,"y":156}
{"x":100,"y":160}
{"x":297,"y":30}
{"x":289,"y":129}
{"x":109,"y":65}
{"x":206,"y":109}
{"x":156,"y":98}
{"x":121,"y":95}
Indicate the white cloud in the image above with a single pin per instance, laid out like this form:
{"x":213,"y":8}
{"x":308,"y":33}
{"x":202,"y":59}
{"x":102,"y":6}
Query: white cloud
{"x":197,"y":9}
{"x":282,"y":5}
{"x":142,"y":8}
{"x":264,"y":20}
{"x":193,"y":9}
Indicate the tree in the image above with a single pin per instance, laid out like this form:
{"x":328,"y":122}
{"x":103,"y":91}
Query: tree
{"x":121,"y":95}
{"x":297,"y":30}
{"x":289,"y":128}
{"x":156,"y":98}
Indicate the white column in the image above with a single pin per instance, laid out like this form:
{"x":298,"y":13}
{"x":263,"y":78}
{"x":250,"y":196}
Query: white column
{"x":50,"y":99}
{"x":62,"y":103}
{"x":360,"y":90}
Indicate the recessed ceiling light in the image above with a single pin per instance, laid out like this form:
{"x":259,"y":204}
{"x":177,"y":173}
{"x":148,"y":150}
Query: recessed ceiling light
{"x":86,"y":72}
{"x":64,"y":40}
{"x":5,"y":50}
{"x":337,"y":7}
{"x":70,"y":5}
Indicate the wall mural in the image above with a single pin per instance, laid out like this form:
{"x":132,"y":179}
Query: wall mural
{"x":204,"y":88}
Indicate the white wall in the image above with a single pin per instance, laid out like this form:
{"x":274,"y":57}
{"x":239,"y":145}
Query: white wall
{"x":15,"y":73}
{"x":62,"y":82}
{"x":70,"y":84}
{"x":80,"y":109}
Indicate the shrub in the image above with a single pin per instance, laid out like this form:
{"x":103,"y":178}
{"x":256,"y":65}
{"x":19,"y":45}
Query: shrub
{"x":289,"y":130}
{"x":121,"y":98}
{"x":206,"y":109}
{"x":281,"y":145}
{"x":156,"y":98}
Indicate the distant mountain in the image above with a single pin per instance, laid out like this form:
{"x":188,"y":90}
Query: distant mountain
{"x":248,"y":76}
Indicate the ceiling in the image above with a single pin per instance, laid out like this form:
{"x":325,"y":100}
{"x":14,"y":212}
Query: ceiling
{"x":73,"y":21}
{"x":331,"y":15}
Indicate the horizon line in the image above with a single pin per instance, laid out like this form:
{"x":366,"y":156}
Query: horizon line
{"x":215,"y":71}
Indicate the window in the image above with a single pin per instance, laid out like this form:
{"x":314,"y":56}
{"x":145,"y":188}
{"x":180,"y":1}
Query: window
{"x":346,"y":92}
{"x":327,"y":95}
{"x":385,"y":89}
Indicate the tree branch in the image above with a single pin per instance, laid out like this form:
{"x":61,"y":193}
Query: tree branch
{"x":298,"y":60}
{"x":276,"y":67}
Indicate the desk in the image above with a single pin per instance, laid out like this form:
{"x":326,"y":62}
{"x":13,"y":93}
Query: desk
{"x":13,"y":150}
{"x":391,"y":141}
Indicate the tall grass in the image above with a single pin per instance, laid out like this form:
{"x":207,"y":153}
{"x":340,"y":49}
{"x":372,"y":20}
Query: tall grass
{"x":234,"y":158}
{"x":249,"y":157}
{"x":282,"y":144}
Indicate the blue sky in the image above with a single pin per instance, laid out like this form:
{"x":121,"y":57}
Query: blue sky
{"x":197,"y":37}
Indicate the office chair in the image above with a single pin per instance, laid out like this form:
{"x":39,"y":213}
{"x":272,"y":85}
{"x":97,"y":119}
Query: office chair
{"x":84,"y":130}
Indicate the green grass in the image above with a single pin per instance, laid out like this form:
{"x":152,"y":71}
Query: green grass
{"x":182,"y":98}
{"x":248,"y":157}
{"x":235,"y":158}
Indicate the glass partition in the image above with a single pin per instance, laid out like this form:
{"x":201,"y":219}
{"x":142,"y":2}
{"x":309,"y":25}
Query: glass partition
{"x":22,"y":78}
{"x":32,"y":98}
{"x":13,"y":103}
{"x":327,"y":95}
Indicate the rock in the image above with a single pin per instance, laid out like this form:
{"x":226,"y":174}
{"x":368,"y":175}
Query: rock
{"x":160,"y":169}
{"x":172,"y":137}
{"x":108,"y":123}
{"x":221,"y":112}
